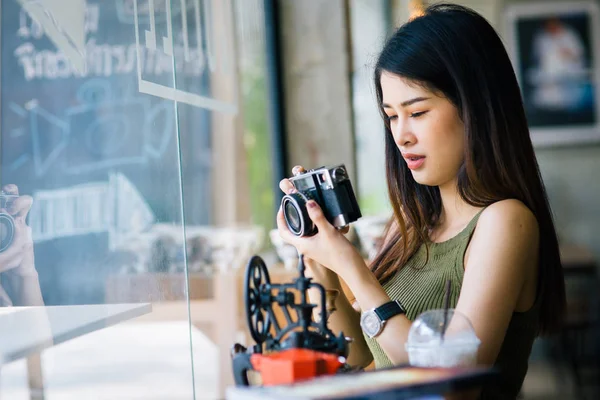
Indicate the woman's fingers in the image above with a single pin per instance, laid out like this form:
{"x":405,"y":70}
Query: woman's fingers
{"x":13,"y":255}
{"x":10,"y":189}
{"x":317,"y":217}
{"x":283,"y":229}
{"x":345,"y":229}
{"x":286,"y":186}
{"x":297,"y":170}
{"x":21,"y":206}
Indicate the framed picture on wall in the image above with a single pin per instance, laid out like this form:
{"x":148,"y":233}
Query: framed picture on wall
{"x":555,"y":50}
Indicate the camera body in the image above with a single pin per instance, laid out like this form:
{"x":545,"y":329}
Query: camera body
{"x":331,"y":188}
{"x":7,"y":222}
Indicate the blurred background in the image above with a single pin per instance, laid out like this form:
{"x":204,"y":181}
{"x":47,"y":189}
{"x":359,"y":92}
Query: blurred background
{"x":151,"y":136}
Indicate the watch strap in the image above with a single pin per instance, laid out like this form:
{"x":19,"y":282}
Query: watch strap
{"x":389,"y":309}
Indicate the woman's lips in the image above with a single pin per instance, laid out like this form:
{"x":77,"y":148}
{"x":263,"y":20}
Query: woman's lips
{"x":414,"y":161}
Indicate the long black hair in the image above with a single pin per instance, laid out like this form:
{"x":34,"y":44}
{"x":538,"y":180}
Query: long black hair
{"x":454,"y":51}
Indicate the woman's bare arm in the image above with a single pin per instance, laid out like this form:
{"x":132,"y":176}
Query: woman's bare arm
{"x":24,"y":282}
{"x":502,"y":253}
{"x":345,"y":319}
{"x":501,"y":265}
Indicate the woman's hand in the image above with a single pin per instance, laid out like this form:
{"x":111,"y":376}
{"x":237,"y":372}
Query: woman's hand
{"x":328,"y":247}
{"x":18,"y":258}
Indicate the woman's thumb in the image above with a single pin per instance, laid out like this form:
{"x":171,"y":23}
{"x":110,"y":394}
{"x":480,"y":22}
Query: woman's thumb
{"x":316,"y":215}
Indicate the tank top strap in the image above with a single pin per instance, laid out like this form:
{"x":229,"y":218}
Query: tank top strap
{"x":470,"y":228}
{"x":465,"y":239}
{"x":437,"y":249}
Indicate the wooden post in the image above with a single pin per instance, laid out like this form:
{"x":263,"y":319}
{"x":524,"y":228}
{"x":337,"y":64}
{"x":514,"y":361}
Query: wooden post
{"x":227,"y":326}
{"x":316,"y":79}
{"x":230,"y":181}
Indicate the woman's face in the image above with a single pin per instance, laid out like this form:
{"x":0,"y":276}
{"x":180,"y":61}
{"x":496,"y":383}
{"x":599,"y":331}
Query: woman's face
{"x":426,"y":128}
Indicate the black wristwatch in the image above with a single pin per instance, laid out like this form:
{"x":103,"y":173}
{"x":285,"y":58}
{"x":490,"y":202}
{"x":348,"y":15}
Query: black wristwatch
{"x":372,"y":321}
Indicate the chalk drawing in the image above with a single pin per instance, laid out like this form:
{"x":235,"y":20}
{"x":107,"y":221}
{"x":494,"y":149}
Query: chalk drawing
{"x":95,"y":91}
{"x":198,"y":31}
{"x":168,"y":40}
{"x":130,"y":213}
{"x":184,"y":31}
{"x":205,"y":58}
{"x":96,"y":135}
{"x":17,"y":109}
{"x":108,"y":131}
{"x":43,"y":158}
{"x":107,"y":135}
{"x":115,"y":207}
{"x":65,"y":31}
{"x":19,"y":162}
{"x":151,"y":34}
{"x":161,"y":115}
{"x":17,"y":132}
{"x":125,"y":10}
{"x":28,"y":27}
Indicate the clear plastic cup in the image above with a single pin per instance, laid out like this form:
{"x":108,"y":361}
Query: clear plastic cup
{"x":427,"y":347}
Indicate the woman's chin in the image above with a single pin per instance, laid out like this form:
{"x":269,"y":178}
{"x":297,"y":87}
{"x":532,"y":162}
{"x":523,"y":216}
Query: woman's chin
{"x":424,"y":179}
{"x":428,"y":180}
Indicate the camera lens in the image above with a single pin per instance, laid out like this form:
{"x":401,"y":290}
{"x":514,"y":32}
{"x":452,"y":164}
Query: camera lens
{"x":293,"y":218}
{"x":296,"y":215}
{"x":7,"y":231}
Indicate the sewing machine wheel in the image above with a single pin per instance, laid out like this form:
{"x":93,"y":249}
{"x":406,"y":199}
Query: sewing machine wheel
{"x":257,"y":315}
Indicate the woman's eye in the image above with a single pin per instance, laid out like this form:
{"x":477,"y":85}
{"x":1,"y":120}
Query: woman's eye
{"x":417,"y":114}
{"x":392,"y":117}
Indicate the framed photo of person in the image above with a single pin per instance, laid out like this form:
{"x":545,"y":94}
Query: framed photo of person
{"x":554,"y":48}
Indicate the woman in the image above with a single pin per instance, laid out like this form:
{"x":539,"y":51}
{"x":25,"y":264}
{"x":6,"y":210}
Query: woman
{"x":17,"y":266}
{"x":469,"y":204}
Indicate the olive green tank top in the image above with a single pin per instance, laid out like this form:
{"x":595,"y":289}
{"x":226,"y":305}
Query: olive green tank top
{"x":420,"y":287}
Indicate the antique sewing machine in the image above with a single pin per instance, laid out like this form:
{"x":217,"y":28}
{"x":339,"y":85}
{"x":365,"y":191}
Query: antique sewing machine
{"x":296,"y":349}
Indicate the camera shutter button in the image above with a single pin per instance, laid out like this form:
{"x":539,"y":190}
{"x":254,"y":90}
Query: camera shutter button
{"x":338,"y":174}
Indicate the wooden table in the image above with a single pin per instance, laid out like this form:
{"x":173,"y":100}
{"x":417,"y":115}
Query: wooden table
{"x":393,"y":383}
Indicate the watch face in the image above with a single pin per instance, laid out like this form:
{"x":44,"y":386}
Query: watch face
{"x":370,"y":323}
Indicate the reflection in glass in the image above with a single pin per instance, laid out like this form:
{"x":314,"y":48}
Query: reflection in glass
{"x":101,"y":154}
{"x":99,"y":163}
{"x":20,"y":284}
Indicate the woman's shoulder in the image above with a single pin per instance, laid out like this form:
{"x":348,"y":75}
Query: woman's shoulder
{"x":511,"y":214}
{"x":508,"y":224}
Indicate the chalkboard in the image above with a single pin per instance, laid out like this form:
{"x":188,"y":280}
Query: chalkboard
{"x":79,"y":138}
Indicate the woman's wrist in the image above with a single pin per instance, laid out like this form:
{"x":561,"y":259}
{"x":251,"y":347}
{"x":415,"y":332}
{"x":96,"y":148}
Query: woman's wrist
{"x":24,"y":273}
{"x":351,"y":265}
{"x":364,"y":285}
{"x":26,"y":269}
{"x":322,"y":275}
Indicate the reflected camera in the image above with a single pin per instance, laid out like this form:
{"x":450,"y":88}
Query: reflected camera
{"x":7,"y":223}
{"x":330,"y":187}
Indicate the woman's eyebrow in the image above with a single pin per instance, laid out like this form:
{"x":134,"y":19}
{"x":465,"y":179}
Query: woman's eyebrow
{"x":407,"y":102}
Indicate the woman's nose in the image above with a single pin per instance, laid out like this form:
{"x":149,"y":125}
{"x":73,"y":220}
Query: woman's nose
{"x":403,"y":134}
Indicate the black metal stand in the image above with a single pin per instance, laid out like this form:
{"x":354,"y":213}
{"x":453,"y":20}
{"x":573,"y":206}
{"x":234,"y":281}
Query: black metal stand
{"x":299,"y":331}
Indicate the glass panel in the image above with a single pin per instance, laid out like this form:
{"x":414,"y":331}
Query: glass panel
{"x":226,"y":167}
{"x":88,"y":138}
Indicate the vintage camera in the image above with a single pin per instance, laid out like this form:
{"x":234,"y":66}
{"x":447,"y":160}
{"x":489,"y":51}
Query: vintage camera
{"x":7,"y":223}
{"x":330,"y":187}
